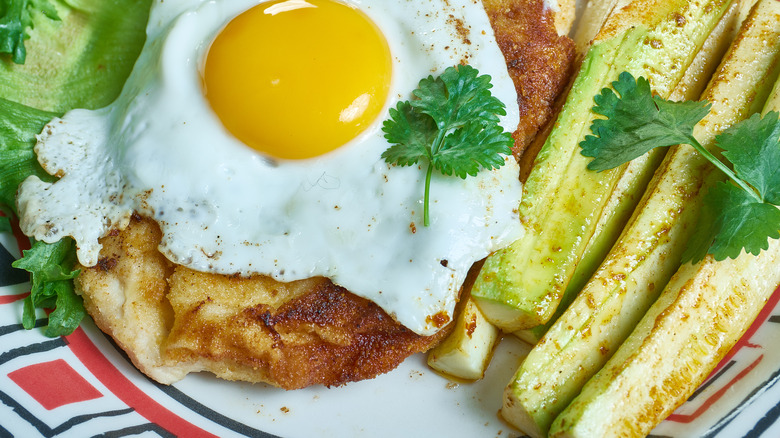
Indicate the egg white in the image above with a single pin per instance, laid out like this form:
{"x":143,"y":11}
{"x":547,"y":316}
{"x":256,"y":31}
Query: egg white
{"x":225,"y":208}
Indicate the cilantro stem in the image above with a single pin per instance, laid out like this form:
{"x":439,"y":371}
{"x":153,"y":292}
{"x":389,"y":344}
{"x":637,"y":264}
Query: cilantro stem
{"x":437,"y":142}
{"x":725,"y":169}
{"x":426,"y":215}
{"x":452,"y":122}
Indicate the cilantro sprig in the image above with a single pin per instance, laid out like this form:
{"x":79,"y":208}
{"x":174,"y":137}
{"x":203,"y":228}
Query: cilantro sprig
{"x":452,"y":124}
{"x":15,"y":18}
{"x":737,"y":215}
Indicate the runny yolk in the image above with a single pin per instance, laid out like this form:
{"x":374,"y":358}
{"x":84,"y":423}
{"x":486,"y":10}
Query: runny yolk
{"x":296,"y":79}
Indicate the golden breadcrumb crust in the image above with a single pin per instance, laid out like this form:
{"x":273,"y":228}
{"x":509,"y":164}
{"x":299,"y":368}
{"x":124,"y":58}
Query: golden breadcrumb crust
{"x":172,"y":320}
{"x":539,"y":60}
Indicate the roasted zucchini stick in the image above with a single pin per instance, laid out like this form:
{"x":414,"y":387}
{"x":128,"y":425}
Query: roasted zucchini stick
{"x":634,"y":180}
{"x":522,"y":285}
{"x":701,"y":313}
{"x":665,"y":359}
{"x":649,"y":249}
{"x":466,"y":352}
{"x":592,"y":19}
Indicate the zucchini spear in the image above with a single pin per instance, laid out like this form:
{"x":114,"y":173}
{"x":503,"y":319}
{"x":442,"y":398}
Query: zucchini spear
{"x":649,"y":249}
{"x":521,"y":286}
{"x":592,"y":20}
{"x":466,"y":352}
{"x":664,"y":360}
{"x":707,"y":306}
{"x":632,"y":183}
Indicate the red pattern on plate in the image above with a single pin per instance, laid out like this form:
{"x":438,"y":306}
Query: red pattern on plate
{"x":681,"y":418}
{"x":8,"y":299}
{"x":125,"y":390}
{"x":22,"y":241}
{"x":54,"y":384}
{"x":744,"y":342}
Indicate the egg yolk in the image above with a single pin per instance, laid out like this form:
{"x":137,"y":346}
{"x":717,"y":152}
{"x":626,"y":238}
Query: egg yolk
{"x":295,"y":79}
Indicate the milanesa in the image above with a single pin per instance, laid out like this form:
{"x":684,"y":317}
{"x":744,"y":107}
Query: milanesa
{"x":172,"y":320}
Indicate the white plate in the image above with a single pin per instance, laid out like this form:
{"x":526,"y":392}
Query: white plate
{"x":83,"y":385}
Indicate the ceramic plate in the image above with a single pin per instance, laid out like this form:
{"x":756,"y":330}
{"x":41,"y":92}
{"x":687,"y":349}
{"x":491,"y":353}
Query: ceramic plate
{"x":83,"y":385}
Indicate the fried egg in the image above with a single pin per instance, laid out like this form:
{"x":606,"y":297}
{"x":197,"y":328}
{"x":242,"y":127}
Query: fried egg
{"x":251,"y":132}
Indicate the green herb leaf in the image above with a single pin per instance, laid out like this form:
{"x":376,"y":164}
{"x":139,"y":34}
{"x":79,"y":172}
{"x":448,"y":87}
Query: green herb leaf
{"x":51,"y":272}
{"x":413,"y":133}
{"x":15,"y":18}
{"x":637,"y":122}
{"x":473,"y":147}
{"x":458,"y":96}
{"x":736,"y":216}
{"x":752,"y":147}
{"x":451,"y":124}
{"x":732,"y":220}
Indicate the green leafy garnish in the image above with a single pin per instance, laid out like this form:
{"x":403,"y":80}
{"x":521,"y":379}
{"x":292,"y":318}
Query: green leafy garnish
{"x":51,"y":265}
{"x":736,"y":215}
{"x":51,"y":272}
{"x":5,"y":224}
{"x":637,"y":122}
{"x":18,"y":126}
{"x":743,"y":215}
{"x":15,"y":18}
{"x":452,"y":124}
{"x":112,"y":34}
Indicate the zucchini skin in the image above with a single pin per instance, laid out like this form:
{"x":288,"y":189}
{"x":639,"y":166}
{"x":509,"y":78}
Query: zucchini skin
{"x":663,"y":361}
{"x":634,"y":181}
{"x":705,"y":308}
{"x":521,"y":286}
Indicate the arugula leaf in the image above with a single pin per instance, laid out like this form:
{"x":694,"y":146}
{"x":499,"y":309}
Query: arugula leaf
{"x":452,"y":124}
{"x":15,"y":18}
{"x":735,"y":216}
{"x":637,"y":122}
{"x":5,"y":224}
{"x":51,"y":272}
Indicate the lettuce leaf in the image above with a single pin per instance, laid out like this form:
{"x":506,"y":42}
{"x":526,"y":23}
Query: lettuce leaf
{"x":18,"y":126}
{"x":81,"y":61}
{"x":16,"y":16}
{"x":50,"y":265}
{"x":51,"y":271}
